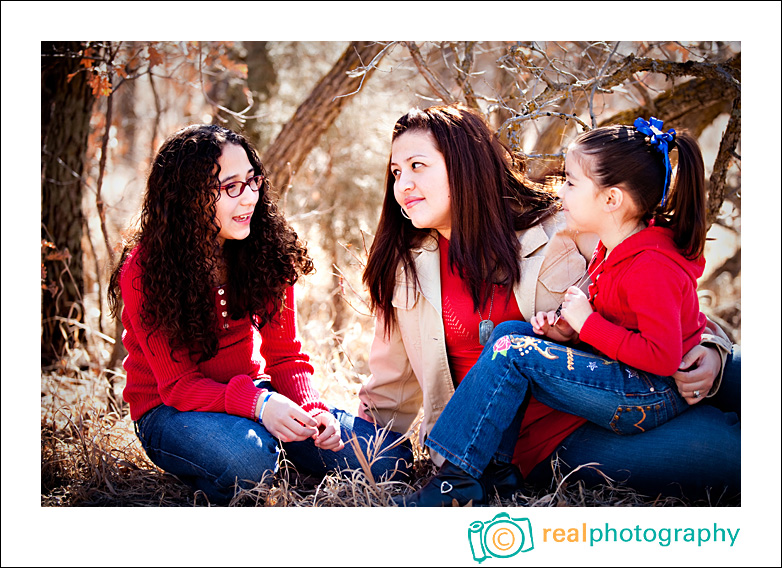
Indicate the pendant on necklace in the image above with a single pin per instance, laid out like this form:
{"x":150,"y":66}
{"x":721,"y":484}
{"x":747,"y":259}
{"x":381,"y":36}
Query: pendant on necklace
{"x":486,"y":326}
{"x":484,"y":331}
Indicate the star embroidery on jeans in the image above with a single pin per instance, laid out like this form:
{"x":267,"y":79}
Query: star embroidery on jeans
{"x":592,"y":365}
{"x":632,"y":373}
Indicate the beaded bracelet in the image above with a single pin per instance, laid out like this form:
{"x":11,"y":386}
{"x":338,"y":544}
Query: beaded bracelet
{"x":266,"y":398}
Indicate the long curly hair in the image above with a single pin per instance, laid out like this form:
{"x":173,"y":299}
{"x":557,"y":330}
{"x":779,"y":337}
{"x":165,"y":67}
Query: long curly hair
{"x":179,"y":251}
{"x":490,"y":201}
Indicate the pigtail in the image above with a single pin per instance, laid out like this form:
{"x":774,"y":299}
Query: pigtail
{"x":685,"y":209}
{"x":637,"y":158}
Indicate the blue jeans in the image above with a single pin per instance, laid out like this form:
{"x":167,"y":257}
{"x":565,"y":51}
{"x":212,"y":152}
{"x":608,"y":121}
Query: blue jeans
{"x":212,"y":451}
{"x":482,"y":419}
{"x":700,"y":449}
{"x":515,"y":363}
{"x":728,"y":397}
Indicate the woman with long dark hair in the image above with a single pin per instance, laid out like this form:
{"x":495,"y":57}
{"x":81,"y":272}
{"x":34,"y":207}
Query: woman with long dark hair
{"x":216,"y":378}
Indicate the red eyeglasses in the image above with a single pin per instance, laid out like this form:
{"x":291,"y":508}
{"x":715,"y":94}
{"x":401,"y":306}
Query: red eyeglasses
{"x":236,"y":188}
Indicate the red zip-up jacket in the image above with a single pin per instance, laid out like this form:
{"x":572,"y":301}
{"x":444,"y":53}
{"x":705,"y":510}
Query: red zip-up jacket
{"x":225,"y":382}
{"x":645,"y":299}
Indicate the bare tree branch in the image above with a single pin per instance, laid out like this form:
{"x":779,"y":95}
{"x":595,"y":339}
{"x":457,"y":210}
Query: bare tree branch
{"x":463,"y":70}
{"x":431,"y":79}
{"x":725,"y":73}
{"x":241,"y":117}
{"x":101,"y":171}
{"x":724,"y":158}
{"x":156,"y":121}
{"x":596,"y":84}
{"x":692,"y":105}
{"x":510,"y":127}
{"x":364,"y":70}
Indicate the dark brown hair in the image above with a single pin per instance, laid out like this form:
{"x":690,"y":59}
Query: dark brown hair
{"x":490,"y":201}
{"x":179,"y":249}
{"x":622,"y":156}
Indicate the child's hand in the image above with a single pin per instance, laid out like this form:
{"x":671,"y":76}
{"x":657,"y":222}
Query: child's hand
{"x":542,"y":322}
{"x":286,"y":420}
{"x":576,"y":308}
{"x":552,"y":326}
{"x":562,"y":331}
{"x":329,"y":436}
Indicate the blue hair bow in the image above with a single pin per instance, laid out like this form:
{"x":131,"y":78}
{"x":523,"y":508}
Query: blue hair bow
{"x":660,"y":140}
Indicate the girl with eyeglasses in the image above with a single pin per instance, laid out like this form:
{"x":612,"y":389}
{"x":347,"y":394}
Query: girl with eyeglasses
{"x":217,"y":383}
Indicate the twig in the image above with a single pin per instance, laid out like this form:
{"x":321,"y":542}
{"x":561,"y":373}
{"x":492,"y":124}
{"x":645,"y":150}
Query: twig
{"x":363,"y":69}
{"x":86,"y":233}
{"x":102,"y":164}
{"x":514,"y":121}
{"x":345,"y":279}
{"x":463,"y":69}
{"x":66,"y":270}
{"x":76,"y":323}
{"x":309,"y":214}
{"x":156,"y":122}
{"x":596,"y":84}
{"x":241,"y":116}
{"x":347,"y":248}
{"x":431,"y":79}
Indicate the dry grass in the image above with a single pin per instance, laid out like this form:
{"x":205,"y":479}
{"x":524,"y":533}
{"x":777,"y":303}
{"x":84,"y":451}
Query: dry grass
{"x":90,"y":456}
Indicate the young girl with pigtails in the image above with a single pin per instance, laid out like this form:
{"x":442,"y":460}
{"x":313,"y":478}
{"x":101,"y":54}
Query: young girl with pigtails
{"x":616,"y":348}
{"x":642,"y":308}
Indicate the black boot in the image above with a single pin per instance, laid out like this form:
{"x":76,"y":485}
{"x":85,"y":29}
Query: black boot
{"x":502,"y":478}
{"x":450,"y":483}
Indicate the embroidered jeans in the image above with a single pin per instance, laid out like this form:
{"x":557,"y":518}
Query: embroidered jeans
{"x":482,"y":419}
{"x":696,"y":455}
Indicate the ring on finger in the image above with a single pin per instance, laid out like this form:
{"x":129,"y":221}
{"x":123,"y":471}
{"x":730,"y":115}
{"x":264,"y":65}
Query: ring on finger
{"x":696,"y":394}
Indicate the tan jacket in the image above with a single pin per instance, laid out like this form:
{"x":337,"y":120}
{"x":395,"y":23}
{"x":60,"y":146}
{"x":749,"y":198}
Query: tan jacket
{"x":410,"y":368}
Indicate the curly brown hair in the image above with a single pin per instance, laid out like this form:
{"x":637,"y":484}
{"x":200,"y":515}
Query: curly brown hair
{"x":177,"y":239}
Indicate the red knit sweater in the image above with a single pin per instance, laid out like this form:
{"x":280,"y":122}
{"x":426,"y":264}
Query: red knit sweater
{"x":647,"y":313}
{"x":223,"y":383}
{"x":542,"y":429}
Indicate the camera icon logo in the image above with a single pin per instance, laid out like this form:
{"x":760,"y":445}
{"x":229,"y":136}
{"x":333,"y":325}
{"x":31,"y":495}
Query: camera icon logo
{"x":501,"y":537}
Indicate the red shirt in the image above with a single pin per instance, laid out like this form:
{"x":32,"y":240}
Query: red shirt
{"x":647,"y":314}
{"x":223,"y":383}
{"x":543,"y":429}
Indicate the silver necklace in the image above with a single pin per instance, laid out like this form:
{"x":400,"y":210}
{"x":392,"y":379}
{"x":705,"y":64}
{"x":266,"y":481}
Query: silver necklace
{"x":581,"y":282}
{"x":486,"y":326}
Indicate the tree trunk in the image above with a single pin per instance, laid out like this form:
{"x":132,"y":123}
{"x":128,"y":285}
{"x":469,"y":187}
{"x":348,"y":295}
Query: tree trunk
{"x":692,"y":105}
{"x":301,"y":133}
{"x":66,"y":108}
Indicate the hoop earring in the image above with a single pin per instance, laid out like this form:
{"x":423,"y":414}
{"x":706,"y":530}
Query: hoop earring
{"x":404,"y":213}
